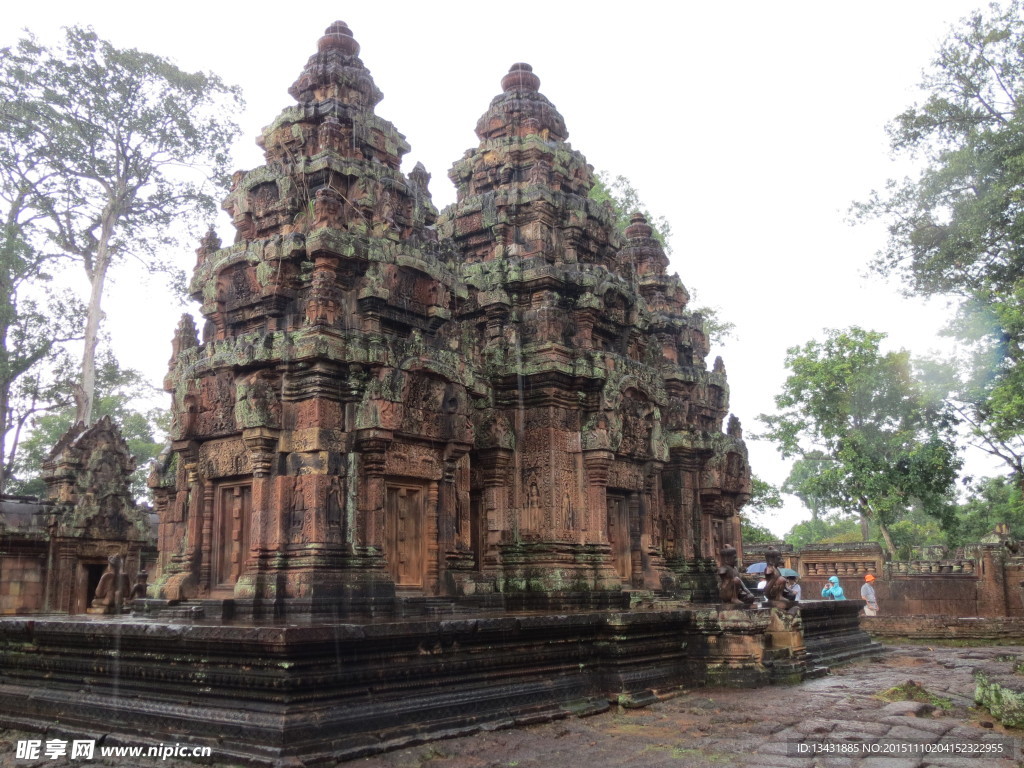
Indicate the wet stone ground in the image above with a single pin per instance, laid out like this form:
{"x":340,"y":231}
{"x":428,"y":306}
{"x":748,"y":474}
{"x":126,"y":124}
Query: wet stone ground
{"x":770,"y":728}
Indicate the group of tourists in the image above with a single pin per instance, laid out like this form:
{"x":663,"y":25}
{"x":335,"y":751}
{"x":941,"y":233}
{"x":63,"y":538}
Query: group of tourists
{"x":833,"y":591}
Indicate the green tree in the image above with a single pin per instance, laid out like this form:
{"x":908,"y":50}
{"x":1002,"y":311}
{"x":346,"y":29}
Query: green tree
{"x":833,"y":528}
{"x":917,"y":528}
{"x":887,"y":445}
{"x":34,"y":319}
{"x":991,"y":501}
{"x":45,"y":387}
{"x":956,"y":229}
{"x":116,"y":148}
{"x":800,"y":483}
{"x":764,"y":499}
{"x":117,"y":392}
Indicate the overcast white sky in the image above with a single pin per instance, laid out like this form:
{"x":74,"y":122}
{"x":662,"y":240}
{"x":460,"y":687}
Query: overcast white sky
{"x":750,"y":125}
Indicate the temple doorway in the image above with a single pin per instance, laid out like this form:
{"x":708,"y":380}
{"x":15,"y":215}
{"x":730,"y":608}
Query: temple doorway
{"x":87,"y":579}
{"x":619,"y":536}
{"x":404,"y":534}
{"x":232,"y":509}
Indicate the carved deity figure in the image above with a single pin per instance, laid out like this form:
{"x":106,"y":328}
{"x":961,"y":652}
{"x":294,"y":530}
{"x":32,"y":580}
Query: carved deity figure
{"x":298,"y":511}
{"x":385,"y":212}
{"x":327,"y":208}
{"x":140,"y":586}
{"x":533,"y":508}
{"x":776,"y":588}
{"x":337,"y":521}
{"x":113,"y":587}
{"x":731,"y":588}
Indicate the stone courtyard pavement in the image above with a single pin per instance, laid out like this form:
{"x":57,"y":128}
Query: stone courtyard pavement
{"x":719,"y":727}
{"x":763,"y":727}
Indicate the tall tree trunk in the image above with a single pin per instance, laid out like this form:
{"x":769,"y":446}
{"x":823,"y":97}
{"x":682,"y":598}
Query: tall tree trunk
{"x":86,"y":393}
{"x":5,"y":404}
{"x":890,"y":547}
{"x":866,"y":514}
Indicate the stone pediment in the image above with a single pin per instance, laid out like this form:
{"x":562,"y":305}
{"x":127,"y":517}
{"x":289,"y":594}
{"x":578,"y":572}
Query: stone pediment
{"x":88,"y":478}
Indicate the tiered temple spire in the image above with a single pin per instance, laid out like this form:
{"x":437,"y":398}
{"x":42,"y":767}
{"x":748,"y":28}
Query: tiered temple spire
{"x":513,"y":400}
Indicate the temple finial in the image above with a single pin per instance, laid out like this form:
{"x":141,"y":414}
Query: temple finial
{"x":520,"y":77}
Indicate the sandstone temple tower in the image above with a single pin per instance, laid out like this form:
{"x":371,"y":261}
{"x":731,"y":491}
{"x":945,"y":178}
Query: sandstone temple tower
{"x":510,"y":399}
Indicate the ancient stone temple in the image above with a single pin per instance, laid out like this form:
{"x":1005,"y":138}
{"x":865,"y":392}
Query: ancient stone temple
{"x":53,"y":552}
{"x":509,"y":399}
{"x":396,"y":431}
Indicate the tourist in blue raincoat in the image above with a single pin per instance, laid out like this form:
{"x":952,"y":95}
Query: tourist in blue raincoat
{"x":833,"y":591}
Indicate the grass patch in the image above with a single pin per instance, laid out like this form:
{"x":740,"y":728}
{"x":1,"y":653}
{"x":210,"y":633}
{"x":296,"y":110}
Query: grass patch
{"x":911,"y":691}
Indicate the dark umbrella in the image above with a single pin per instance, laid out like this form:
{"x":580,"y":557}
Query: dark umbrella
{"x":760,"y":568}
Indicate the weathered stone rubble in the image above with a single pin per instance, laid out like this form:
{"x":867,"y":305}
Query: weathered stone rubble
{"x":511,"y":398}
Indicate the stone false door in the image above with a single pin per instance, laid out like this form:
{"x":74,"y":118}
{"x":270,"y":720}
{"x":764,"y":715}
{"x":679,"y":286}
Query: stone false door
{"x":619,"y":535}
{"x":232,"y":513}
{"x":405,"y":534}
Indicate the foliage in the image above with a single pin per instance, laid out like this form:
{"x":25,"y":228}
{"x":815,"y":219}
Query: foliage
{"x":34,"y":319}
{"x":800,"y":481}
{"x":834,"y":528}
{"x":755,"y":533}
{"x":917,"y":529}
{"x":887,"y":444}
{"x":992,"y":500}
{"x":44,"y":387}
{"x":624,"y":200}
{"x":117,"y":391}
{"x":764,"y":498}
{"x":112,"y":147}
{"x":957,"y":229}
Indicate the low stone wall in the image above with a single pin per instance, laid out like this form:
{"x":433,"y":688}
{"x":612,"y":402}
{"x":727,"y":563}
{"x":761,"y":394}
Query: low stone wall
{"x":833,"y":633}
{"x":21,"y":584}
{"x":323,"y":692}
{"x":1008,"y":629}
{"x":934,"y":594}
{"x":338,"y":691}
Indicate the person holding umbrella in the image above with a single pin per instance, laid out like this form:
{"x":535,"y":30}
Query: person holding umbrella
{"x":833,"y":591}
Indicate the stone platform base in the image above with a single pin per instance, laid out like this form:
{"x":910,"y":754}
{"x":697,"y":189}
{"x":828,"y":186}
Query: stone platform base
{"x":988,"y":629}
{"x":834,"y":633}
{"x":309,"y":695}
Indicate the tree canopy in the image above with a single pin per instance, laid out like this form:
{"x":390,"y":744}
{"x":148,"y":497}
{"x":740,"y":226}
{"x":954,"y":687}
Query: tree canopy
{"x":880,"y":443}
{"x":957,"y":229}
{"x":764,"y":500}
{"x":117,"y":391}
{"x":114,"y":150}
